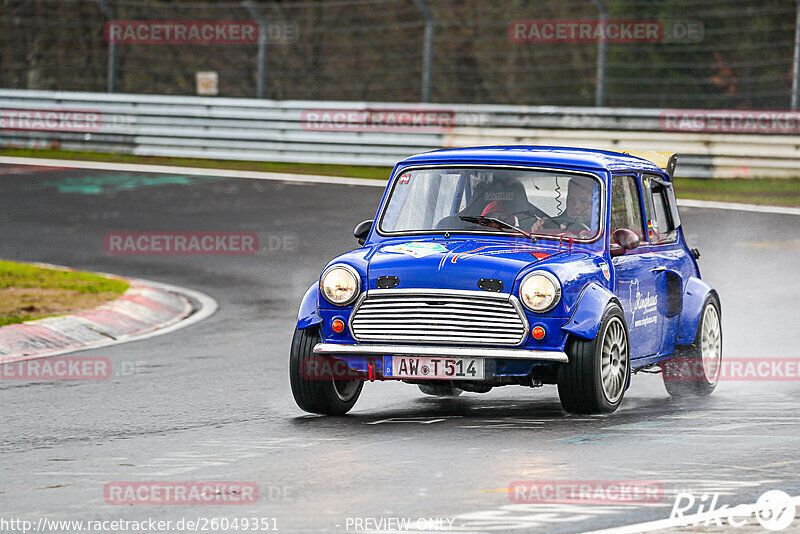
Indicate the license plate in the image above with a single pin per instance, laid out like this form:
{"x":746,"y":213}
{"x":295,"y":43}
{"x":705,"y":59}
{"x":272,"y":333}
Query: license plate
{"x":437,"y":368}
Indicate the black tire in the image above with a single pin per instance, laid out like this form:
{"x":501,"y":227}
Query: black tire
{"x":440,"y":390}
{"x":689,"y":374}
{"x":317,"y":395}
{"x":580,"y":382}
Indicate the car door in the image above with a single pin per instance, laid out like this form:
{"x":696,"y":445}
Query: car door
{"x":635,"y":270}
{"x":672,"y":262}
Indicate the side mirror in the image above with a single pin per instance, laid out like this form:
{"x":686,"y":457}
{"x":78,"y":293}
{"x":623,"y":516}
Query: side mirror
{"x":626,"y":239}
{"x":362,"y":231}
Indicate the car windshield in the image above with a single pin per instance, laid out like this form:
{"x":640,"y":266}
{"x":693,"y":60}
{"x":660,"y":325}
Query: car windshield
{"x":545,"y":203}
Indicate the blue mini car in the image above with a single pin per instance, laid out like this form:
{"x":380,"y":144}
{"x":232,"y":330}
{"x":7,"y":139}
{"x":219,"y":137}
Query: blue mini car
{"x":520,"y":265}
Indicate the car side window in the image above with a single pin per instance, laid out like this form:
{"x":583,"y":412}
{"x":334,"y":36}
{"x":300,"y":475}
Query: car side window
{"x":626,"y":206}
{"x":660,"y":226}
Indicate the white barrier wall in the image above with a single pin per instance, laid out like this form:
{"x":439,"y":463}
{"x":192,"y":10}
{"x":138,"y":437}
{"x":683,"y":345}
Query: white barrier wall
{"x":721,"y":144}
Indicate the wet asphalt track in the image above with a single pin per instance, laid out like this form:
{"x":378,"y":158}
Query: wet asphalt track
{"x":212,"y":402}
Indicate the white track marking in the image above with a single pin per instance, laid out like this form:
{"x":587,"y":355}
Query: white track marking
{"x":412,"y":420}
{"x":754,"y":208}
{"x":207,"y":307}
{"x":314,"y":179}
{"x":194,"y":171}
{"x":678,"y":522}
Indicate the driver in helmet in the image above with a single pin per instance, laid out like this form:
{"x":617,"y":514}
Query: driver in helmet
{"x":499,"y":209}
{"x":576,"y":218}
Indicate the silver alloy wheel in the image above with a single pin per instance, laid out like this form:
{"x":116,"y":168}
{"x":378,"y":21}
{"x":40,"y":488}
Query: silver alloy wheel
{"x":614,"y":364}
{"x":711,"y":344}
{"x":346,"y":389}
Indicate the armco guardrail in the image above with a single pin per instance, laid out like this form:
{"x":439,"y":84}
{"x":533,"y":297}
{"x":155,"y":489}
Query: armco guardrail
{"x":381,"y":133}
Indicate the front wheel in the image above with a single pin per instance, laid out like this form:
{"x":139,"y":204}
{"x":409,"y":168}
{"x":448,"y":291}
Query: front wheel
{"x":314,"y":384}
{"x":595,"y":379}
{"x":695,"y":369}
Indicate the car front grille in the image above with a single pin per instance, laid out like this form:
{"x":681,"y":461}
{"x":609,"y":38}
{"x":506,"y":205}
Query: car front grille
{"x":439,"y":317}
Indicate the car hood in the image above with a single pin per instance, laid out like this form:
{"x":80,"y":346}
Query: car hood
{"x":454,"y":263}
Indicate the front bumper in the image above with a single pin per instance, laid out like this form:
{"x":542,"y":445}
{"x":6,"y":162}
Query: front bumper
{"x":361,"y":349}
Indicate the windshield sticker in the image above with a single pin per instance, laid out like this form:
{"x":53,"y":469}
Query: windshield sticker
{"x":405,"y":178}
{"x":417,"y":250}
{"x":496,"y":250}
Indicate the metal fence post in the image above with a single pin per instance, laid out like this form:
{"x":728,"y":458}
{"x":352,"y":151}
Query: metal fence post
{"x":796,"y":63}
{"x":427,"y":54}
{"x":261,"y":62}
{"x":108,"y":11}
{"x":602,"y":56}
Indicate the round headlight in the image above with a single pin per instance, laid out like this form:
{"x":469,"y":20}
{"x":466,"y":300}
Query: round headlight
{"x":540,"y":291}
{"x":340,"y":284}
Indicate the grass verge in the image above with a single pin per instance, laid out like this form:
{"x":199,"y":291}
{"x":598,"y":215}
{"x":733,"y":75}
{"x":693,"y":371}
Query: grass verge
{"x":766,"y":191}
{"x":28,"y":292}
{"x":774,"y":192}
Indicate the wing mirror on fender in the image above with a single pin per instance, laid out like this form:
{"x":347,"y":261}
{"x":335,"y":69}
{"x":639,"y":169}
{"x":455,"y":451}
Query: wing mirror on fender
{"x":362,"y":231}
{"x":626,"y":239}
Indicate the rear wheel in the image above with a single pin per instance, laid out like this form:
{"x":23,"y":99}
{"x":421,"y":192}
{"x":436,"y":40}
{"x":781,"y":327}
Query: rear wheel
{"x":694,"y":371}
{"x":440,"y":390}
{"x":595,"y":379}
{"x":318,"y":392}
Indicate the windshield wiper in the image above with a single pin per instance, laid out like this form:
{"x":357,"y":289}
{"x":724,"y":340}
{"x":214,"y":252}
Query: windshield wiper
{"x":484,"y":221}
